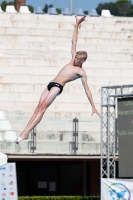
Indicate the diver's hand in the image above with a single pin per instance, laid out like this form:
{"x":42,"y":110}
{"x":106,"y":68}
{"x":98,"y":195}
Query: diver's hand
{"x":94,"y":111}
{"x":79,"y":21}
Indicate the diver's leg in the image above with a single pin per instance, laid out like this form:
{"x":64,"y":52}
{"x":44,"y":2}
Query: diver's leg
{"x":43,"y":96}
{"x":44,"y":103}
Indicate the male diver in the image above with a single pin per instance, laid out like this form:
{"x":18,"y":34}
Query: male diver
{"x":72,"y":71}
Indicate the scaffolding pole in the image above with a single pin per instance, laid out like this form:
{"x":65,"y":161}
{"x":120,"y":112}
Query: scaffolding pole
{"x":109,"y":141}
{"x":71,"y":6}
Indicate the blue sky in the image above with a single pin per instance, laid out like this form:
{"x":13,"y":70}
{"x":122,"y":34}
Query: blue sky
{"x":84,"y":4}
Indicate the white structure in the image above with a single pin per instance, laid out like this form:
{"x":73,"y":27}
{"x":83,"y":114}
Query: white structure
{"x":10,"y":9}
{"x":1,"y":139}
{"x":24,"y":9}
{"x":5,"y":125}
{"x":52,"y":11}
{"x":3,"y":159}
{"x":66,"y":11}
{"x":6,"y":134}
{"x":2,"y":116}
{"x":10,"y":136}
{"x":106,"y":13}
{"x":1,"y":11}
{"x":38,"y":10}
{"x":79,"y":12}
{"x":93,"y":13}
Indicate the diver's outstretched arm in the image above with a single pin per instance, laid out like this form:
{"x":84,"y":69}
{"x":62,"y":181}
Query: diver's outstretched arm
{"x":75,"y":35}
{"x":88,"y":92}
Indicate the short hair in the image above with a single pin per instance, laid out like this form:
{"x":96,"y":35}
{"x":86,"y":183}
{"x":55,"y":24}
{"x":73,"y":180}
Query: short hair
{"x":83,"y":54}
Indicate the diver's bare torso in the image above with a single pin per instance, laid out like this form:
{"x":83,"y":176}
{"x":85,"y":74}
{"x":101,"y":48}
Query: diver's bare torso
{"x":68,"y":73}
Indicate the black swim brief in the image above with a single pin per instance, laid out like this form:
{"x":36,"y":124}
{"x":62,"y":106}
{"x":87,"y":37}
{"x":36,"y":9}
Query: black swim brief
{"x":54,"y":84}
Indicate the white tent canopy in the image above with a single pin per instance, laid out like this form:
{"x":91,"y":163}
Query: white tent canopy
{"x":3,"y":159}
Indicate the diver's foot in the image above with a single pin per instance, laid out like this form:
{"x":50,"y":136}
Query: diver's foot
{"x":19,"y":139}
{"x":26,"y":138}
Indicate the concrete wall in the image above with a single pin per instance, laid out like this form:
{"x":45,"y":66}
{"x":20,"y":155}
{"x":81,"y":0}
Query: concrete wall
{"x":33,"y":48}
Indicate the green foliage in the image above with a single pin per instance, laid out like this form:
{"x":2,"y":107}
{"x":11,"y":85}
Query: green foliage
{"x":107,"y":6}
{"x":58,"y":10}
{"x":126,"y":1}
{"x":4,"y":4}
{"x":86,"y":12}
{"x":10,"y":3}
{"x":129,"y":13}
{"x":118,"y":8}
{"x":46,"y":7}
{"x":31,"y":8}
{"x":59,"y":198}
{"x":123,"y":6}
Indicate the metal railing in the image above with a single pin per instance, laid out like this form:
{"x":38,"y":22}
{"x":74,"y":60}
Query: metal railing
{"x":32,"y":143}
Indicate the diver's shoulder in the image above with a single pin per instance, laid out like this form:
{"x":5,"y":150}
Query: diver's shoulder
{"x":81,"y":72}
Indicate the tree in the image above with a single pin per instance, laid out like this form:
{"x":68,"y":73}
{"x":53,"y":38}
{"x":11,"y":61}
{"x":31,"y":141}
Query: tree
{"x":118,"y":8}
{"x":18,"y":3}
{"x":123,"y":6}
{"x":107,"y":6}
{"x":58,"y":10}
{"x":129,"y":13}
{"x":10,"y":3}
{"x":46,"y":7}
{"x":31,"y":8}
{"x":86,"y":12}
{"x":4,"y":4}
